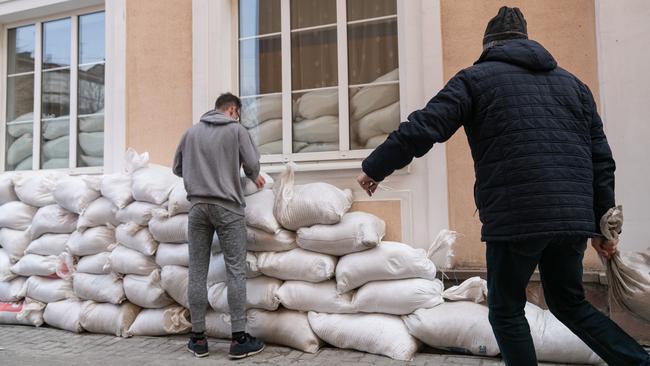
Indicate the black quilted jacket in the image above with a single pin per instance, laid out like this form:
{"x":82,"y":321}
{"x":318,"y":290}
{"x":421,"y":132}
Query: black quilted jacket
{"x":542,"y":163}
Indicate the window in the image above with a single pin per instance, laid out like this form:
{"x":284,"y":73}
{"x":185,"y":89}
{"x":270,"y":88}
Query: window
{"x":318,"y":78}
{"x":54,"y":110}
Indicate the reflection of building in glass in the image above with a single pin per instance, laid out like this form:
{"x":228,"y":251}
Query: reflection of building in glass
{"x":91,"y":89}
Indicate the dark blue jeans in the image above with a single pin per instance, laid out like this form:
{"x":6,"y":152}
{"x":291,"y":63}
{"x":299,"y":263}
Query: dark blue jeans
{"x":510,"y":266}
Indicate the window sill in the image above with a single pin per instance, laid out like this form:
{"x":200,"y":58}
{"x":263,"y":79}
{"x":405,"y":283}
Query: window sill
{"x":272,"y":168}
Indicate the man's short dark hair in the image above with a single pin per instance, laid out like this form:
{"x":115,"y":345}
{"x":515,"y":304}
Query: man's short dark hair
{"x":226,"y":100}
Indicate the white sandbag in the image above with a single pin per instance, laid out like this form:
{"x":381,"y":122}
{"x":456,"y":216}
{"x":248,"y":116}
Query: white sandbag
{"x":174,"y":279}
{"x":267,"y":131}
{"x":629,"y":278}
{"x":178,"y":202}
{"x":11,"y":290}
{"x":56,"y":163}
{"x":128,"y":261}
{"x":260,"y":294}
{"x":25,"y":164}
{"x":16,"y":215}
{"x":19,"y":129}
{"x":94,"y":264}
{"x":274,"y":147}
{"x":117,"y":189}
{"x":262,"y":241}
{"x":35,"y":189}
{"x":7,"y":192}
{"x":64,"y":315}
{"x":20,"y":149}
{"x":297,"y":264}
{"x":137,"y":238}
{"x":473,"y":289}
{"x":15,"y":242}
{"x":458,"y":326}
{"x":173,"y":319}
{"x":217,"y":270}
{"x":356,"y":232}
{"x":441,"y":251}
{"x":318,"y":103}
{"x":47,"y":290}
{"x":217,"y":325}
{"x":256,"y":110}
{"x":173,"y":254}
{"x":319,"y":146}
{"x":249,"y":186}
{"x":398,"y":297}
{"x":48,"y":244}
{"x":373,"y":333}
{"x":92,"y":143}
{"x":92,"y":241}
{"x":310,"y":204}
{"x":554,"y":342}
{"x":76,"y":193}
{"x":146,"y":291}
{"x":100,"y":288}
{"x":371,"y":98}
{"x":321,"y":129}
{"x":320,"y":297}
{"x":27,"y":312}
{"x":136,"y":212}
{"x":108,"y":318}
{"x":56,"y":128}
{"x":283,"y":327}
{"x":375,"y":141}
{"x":153,"y":184}
{"x":380,"y":122}
{"x":259,"y":211}
{"x":37,"y":265}
{"x":100,"y":212}
{"x":53,"y":219}
{"x":92,"y":123}
{"x":6,"y":273}
{"x":167,"y":229}
{"x":57,"y":148}
{"x":387,"y":261}
{"x":92,"y":160}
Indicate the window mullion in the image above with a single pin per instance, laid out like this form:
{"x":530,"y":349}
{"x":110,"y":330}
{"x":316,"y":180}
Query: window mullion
{"x":285,"y":28}
{"x":3,"y":99}
{"x":342,"y":54}
{"x":74,"y":85}
{"x":38,"y":75}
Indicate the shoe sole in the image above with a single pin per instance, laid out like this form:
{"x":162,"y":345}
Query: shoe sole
{"x":238,"y":357}
{"x":199,"y":355}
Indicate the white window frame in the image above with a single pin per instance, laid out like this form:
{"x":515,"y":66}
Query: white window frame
{"x":74,"y":69}
{"x":216,"y":58}
{"x":17,"y":12}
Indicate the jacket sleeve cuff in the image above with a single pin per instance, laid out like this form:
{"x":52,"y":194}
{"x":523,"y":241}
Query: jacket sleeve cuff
{"x":369,"y":170}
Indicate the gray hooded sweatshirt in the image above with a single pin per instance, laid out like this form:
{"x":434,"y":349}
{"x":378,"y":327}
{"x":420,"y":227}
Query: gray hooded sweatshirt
{"x":209,"y":158}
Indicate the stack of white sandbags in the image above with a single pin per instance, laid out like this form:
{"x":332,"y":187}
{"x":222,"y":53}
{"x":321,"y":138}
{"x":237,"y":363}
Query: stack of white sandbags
{"x":91,"y":139}
{"x":34,"y":233}
{"x":374,"y":111}
{"x":144,"y":224}
{"x":20,"y":142}
{"x":262,"y":117}
{"x":316,"y":121}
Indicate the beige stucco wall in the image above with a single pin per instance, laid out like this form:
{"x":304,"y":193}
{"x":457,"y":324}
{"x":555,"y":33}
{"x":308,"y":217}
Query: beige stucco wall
{"x":565,"y":28}
{"x":158,"y":75}
{"x":624,"y":32}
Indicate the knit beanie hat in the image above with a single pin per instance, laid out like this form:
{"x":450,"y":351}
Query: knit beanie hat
{"x":508,"y":24}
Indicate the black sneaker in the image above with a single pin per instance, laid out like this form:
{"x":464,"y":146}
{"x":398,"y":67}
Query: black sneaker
{"x":246,"y":346}
{"x":198,"y":346}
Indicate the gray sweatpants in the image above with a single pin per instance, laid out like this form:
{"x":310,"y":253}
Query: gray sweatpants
{"x":204,"y":219}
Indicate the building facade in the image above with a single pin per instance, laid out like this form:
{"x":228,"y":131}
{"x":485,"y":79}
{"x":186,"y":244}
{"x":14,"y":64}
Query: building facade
{"x":322,"y":82}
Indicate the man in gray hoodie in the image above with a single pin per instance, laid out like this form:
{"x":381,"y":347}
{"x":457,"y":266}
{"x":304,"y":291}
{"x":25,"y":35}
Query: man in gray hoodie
{"x":209,"y":158}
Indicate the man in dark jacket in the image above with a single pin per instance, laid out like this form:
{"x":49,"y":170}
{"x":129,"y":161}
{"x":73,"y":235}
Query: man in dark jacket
{"x":544,"y":178}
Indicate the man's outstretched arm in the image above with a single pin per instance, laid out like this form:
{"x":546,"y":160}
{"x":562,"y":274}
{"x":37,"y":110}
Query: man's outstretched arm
{"x":443,"y":115}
